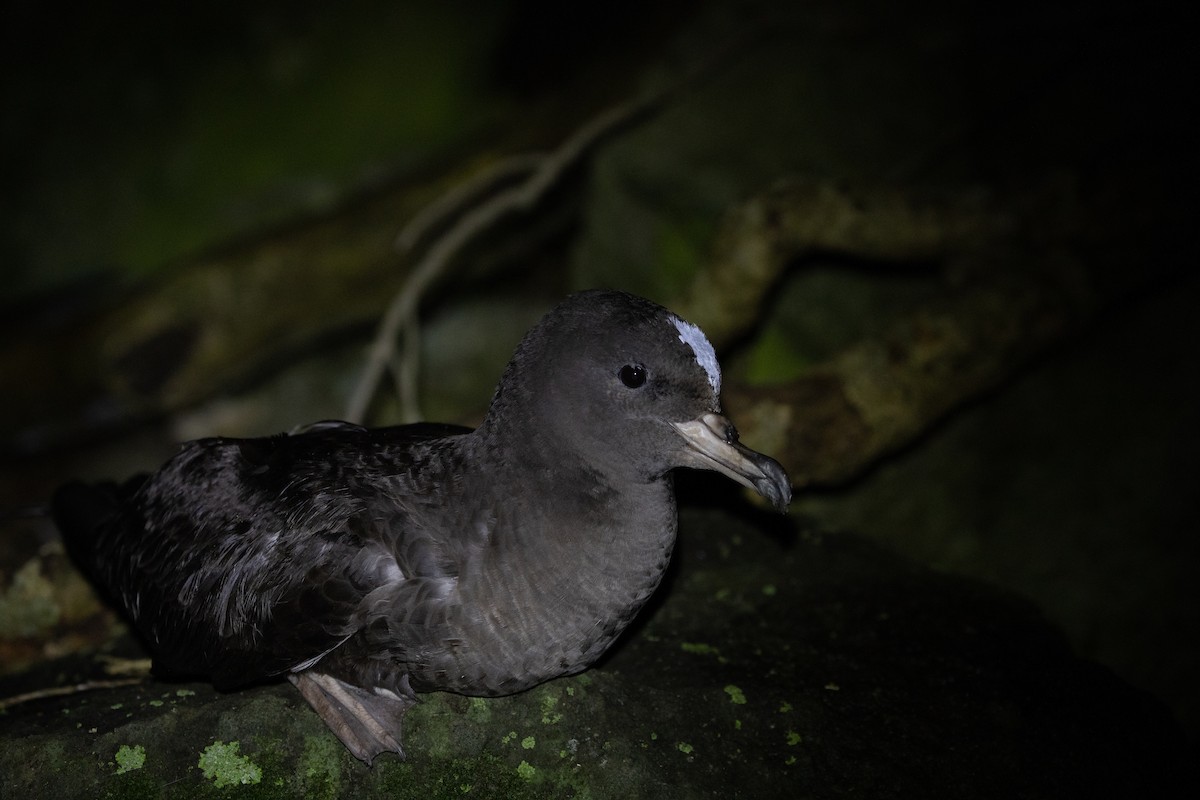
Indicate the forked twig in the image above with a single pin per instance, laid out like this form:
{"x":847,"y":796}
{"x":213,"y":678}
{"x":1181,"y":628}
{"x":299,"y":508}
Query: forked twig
{"x":542,"y":173}
{"x":471,"y":224}
{"x":462,"y":194}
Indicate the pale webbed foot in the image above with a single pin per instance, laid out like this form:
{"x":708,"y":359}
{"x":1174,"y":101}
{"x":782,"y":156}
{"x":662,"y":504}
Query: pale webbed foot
{"x":366,"y":721}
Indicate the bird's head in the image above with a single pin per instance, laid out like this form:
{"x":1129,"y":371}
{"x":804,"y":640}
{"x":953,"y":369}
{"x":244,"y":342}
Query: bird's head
{"x":629,"y":387}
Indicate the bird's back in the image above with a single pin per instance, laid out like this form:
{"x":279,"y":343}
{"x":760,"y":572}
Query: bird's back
{"x":243,"y":558}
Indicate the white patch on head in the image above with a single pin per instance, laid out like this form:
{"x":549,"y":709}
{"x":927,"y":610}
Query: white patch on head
{"x":706,"y":357}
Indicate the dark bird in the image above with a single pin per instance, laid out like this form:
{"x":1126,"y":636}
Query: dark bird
{"x":368,"y":565}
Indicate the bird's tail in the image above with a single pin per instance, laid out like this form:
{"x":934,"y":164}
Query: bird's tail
{"x":81,"y":510}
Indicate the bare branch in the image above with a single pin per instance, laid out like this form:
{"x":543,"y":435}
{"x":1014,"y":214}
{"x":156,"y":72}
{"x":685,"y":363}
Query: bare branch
{"x":544,"y":172}
{"x":63,"y":691}
{"x":463,"y":194}
{"x":474,"y":222}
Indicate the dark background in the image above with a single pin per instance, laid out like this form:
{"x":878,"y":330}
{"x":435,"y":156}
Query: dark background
{"x":156,"y":159}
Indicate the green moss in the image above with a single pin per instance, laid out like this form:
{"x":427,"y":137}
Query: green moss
{"x":681,"y":251}
{"x":549,"y":715}
{"x":528,"y":743}
{"x":699,"y":648}
{"x":526,"y":770}
{"x":793,"y":738}
{"x":27,"y":606}
{"x":702,"y":649}
{"x":735,"y":695}
{"x":253,"y":136}
{"x":478,"y":710}
{"x":684,"y":748}
{"x":774,"y":359}
{"x":319,"y":772}
{"x":130,"y":758}
{"x":222,"y":765}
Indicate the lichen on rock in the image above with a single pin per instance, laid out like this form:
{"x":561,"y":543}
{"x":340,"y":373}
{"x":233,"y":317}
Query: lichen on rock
{"x":130,"y":758}
{"x":222,"y":765}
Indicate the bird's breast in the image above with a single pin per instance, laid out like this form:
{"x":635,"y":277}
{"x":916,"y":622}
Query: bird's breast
{"x":527,"y":614}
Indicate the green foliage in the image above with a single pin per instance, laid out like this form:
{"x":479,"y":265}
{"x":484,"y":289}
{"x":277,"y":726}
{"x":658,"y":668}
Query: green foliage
{"x":319,"y":773}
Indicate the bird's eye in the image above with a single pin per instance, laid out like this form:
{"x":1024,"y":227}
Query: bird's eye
{"x":633,"y":375}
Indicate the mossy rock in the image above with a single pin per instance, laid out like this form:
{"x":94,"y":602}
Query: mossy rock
{"x":778,"y":661}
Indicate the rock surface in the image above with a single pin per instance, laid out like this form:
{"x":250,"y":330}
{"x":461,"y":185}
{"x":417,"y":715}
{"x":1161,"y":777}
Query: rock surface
{"x":778,"y":661}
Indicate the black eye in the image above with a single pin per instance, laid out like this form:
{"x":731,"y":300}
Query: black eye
{"x":633,"y":375}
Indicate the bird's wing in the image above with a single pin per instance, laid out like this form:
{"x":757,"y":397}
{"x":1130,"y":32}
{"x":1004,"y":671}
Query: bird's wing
{"x":243,"y":559}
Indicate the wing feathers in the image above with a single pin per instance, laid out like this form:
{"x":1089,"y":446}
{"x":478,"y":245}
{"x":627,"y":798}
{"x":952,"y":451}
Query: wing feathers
{"x":242,"y":559}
